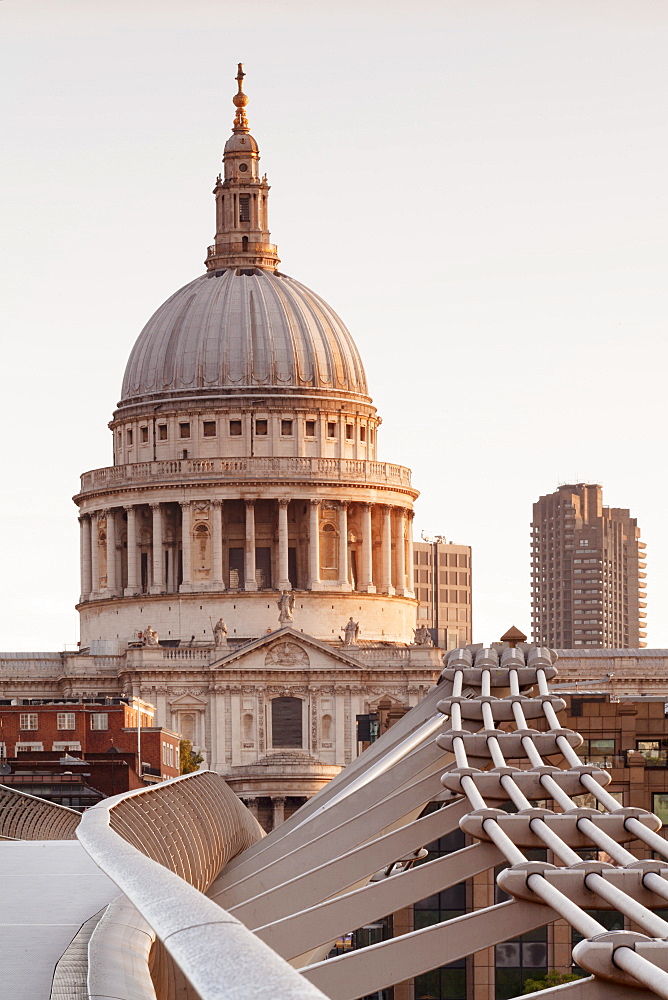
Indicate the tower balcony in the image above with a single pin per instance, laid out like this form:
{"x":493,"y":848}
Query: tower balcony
{"x":247,"y":470}
{"x":241,"y":253}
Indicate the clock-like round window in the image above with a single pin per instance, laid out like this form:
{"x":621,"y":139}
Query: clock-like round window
{"x":243,"y":167}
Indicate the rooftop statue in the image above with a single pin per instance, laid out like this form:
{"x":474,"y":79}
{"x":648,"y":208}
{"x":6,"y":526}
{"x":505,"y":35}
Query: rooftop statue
{"x":285,"y":605}
{"x":351,"y":631}
{"x":422,"y":636}
{"x":220,"y":634}
{"x":150,"y":636}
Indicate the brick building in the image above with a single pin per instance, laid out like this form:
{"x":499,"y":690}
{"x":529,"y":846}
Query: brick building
{"x":42,"y":737}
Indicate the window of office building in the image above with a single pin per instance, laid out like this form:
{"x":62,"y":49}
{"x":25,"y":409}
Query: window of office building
{"x":448,"y":982}
{"x":66,"y":720}
{"x":521,"y":958}
{"x":28,"y":720}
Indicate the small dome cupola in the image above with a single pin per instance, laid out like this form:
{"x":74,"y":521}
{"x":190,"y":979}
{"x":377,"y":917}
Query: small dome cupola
{"x":242,"y":221}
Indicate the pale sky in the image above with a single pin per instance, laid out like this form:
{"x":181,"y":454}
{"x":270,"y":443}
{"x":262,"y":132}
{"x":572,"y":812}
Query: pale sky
{"x":477,"y":188}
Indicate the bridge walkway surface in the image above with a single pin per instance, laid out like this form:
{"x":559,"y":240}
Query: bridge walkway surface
{"x":48,"y":889}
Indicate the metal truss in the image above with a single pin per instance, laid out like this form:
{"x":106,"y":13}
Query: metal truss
{"x":218,"y":912}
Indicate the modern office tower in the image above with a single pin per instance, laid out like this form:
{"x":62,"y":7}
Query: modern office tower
{"x":587,"y":572}
{"x":442,"y":585}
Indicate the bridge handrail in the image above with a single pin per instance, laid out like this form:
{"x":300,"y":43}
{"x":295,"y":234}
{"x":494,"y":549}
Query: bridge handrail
{"x":28,"y":817}
{"x":219,"y":957}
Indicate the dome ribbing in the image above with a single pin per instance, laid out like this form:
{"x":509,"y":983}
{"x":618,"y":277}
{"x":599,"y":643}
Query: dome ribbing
{"x":239,"y":331}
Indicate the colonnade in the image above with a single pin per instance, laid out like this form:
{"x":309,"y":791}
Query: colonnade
{"x":120,"y":557}
{"x":258,"y":807}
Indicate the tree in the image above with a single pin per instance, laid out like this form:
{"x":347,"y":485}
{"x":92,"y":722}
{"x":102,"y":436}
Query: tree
{"x":553,"y":978}
{"x":188,"y":760}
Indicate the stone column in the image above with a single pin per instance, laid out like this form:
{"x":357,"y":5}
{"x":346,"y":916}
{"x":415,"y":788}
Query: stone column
{"x":158,"y":583}
{"x":119,"y":560}
{"x":314,"y":545}
{"x":283,"y":572}
{"x":252,"y":804}
{"x":86,"y":575}
{"x":186,"y":537}
{"x":133,"y":574}
{"x":111,"y":552}
{"x":217,"y":508}
{"x":251,"y":581}
{"x":95,"y":553}
{"x":278,"y":803}
{"x":172,"y":568}
{"x":410,"y":569}
{"x":366,"y":583}
{"x":400,"y":550}
{"x":344,"y":578}
{"x":387,"y":551}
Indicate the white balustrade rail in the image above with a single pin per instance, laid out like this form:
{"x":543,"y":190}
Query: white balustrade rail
{"x":191,"y":825}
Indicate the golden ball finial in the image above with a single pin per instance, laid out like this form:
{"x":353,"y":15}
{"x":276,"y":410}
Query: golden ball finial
{"x":240,"y":100}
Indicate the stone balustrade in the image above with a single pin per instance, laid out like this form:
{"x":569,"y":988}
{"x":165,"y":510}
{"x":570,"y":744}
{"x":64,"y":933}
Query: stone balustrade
{"x":240,"y":470}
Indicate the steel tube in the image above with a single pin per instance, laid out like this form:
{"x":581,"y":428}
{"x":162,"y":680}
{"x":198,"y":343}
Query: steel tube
{"x":576,"y":917}
{"x":645,"y":972}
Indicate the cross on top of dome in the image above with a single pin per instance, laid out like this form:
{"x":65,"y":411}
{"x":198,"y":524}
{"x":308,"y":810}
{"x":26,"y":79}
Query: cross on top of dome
{"x":240,"y":101}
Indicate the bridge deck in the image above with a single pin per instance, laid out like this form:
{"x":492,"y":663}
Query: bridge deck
{"x":47,"y":890}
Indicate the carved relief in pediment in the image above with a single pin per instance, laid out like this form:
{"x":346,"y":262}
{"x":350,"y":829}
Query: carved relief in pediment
{"x":287,"y":654}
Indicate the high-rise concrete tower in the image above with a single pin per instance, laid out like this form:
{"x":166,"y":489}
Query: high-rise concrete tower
{"x":587,"y":572}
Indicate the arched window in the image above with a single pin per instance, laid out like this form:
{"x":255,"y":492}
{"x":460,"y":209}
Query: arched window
{"x":329,"y":552}
{"x":187,"y":726}
{"x":286,"y":722}
{"x":248,"y":728}
{"x":201,"y":553}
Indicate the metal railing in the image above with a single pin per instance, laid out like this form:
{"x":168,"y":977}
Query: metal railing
{"x":238,"y":247}
{"x":653,"y":758}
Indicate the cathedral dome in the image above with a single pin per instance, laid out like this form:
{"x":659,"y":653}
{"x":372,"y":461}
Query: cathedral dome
{"x":239,"y":330}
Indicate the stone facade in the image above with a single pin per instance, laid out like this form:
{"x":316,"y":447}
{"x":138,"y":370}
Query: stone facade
{"x":245,"y":458}
{"x":275,"y":716}
{"x":247,"y":561}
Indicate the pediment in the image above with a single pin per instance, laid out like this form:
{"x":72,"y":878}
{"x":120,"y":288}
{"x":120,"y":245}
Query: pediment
{"x":287,"y":649}
{"x":187,"y":701}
